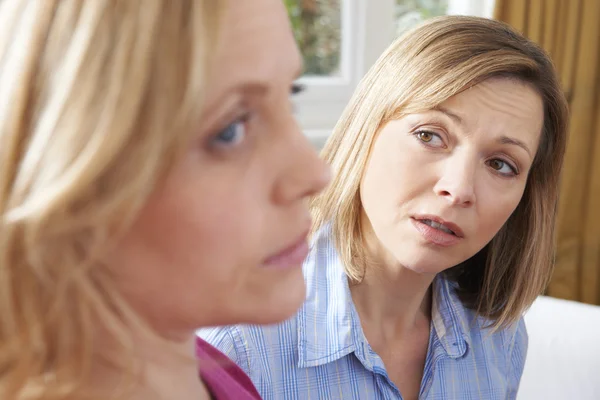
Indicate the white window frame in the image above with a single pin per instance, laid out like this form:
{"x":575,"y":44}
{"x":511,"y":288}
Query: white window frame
{"x":367,"y":28}
{"x":479,"y":8}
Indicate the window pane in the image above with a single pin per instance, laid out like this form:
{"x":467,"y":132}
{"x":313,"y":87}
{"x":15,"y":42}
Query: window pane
{"x":317,"y":28}
{"x":412,"y":12}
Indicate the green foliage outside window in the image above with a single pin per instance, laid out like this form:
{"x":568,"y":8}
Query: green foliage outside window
{"x":317,"y":28}
{"x":412,"y":12}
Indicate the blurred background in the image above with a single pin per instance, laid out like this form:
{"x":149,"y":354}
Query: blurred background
{"x":341,"y":39}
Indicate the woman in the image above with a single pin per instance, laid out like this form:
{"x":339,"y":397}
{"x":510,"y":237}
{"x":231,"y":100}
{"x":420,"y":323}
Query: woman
{"x":153,"y":181}
{"x":436,"y":233}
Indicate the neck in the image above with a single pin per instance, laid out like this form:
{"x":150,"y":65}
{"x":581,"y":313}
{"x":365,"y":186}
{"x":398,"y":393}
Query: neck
{"x":391,"y":298}
{"x":165,"y":368}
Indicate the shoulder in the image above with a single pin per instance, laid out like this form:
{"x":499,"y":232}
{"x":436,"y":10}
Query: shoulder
{"x":506,"y":348}
{"x":516,"y":342}
{"x":512,"y":339}
{"x":497,"y":346}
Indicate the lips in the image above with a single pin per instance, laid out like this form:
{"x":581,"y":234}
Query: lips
{"x":438,"y":223}
{"x":291,"y":256}
{"x":437,"y":231}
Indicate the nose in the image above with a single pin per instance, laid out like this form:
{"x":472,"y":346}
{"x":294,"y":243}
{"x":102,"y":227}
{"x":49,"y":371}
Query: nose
{"x":305,"y":174}
{"x":457,"y":182}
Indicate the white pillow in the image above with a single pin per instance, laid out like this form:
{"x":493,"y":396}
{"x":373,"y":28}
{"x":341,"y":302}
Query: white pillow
{"x":563,"y":359}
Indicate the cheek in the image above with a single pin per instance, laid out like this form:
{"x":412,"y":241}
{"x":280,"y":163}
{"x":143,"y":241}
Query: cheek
{"x":191,"y":237}
{"x":186,"y":246}
{"x":495,"y":209}
{"x":394,"y":178}
{"x":203,"y":230}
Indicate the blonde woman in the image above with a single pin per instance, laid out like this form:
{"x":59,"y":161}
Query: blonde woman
{"x":436,"y":233}
{"x":153,"y":180}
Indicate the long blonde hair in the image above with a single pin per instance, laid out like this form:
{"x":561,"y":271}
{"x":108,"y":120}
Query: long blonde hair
{"x":419,"y":71}
{"x":97,"y":98}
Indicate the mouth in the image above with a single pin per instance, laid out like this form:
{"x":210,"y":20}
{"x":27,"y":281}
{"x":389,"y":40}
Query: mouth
{"x":437,"y":231}
{"x":439,"y":224}
{"x":290,"y":256}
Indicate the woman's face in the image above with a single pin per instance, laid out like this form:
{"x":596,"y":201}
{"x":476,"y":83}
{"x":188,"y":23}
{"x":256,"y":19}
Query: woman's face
{"x":439,"y":185}
{"x":223,"y":240}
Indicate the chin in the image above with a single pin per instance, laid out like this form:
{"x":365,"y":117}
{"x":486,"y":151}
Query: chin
{"x":426,"y":264}
{"x":276,"y":300}
{"x":422,"y":269}
{"x":284,"y":304}
{"x":426,"y":260}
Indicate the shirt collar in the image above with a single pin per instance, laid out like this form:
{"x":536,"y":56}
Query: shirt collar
{"x":450,"y":318}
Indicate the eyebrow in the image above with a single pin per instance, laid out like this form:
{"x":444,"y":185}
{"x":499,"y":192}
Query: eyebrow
{"x":450,"y":114}
{"x":261,"y":88}
{"x":503,"y":139}
{"x":252,"y":88}
{"x":515,"y":142}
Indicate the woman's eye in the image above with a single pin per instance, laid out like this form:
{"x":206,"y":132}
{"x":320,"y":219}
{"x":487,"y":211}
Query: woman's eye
{"x":429,"y":138}
{"x":233,"y":134}
{"x":502,"y":167}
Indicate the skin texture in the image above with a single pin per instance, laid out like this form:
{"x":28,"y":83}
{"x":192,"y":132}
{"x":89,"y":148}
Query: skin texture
{"x":459,"y":162}
{"x":457,"y":170}
{"x":196,"y":254}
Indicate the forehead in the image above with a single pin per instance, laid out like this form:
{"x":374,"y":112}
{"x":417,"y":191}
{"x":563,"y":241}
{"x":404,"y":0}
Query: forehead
{"x":507,"y":98}
{"x":256,"y":43}
{"x":500,"y":105}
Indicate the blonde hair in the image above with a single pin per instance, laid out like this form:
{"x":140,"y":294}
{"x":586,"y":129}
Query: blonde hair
{"x":97,"y":98}
{"x":419,"y":71}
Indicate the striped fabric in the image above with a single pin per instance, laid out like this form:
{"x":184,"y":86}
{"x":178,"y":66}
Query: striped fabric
{"x":322,"y":353}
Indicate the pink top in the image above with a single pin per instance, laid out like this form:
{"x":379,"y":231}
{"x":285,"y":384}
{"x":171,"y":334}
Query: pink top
{"x":223,"y":378}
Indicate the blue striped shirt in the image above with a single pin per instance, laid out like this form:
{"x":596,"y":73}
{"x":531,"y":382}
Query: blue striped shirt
{"x":322,"y":353}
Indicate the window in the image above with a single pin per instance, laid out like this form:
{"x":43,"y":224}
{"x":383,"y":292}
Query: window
{"x":412,"y":12}
{"x":329,"y":35}
{"x":317,"y":28}
{"x":341,"y":39}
